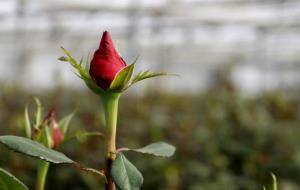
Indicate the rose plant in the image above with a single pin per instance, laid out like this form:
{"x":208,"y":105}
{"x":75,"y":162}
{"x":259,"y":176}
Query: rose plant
{"x":108,"y":76}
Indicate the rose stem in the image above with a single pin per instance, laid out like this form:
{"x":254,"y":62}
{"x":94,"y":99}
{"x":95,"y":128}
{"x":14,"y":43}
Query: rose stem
{"x":42,"y":174}
{"x":110,"y":103}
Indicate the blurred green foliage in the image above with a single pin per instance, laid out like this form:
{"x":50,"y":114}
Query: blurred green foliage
{"x":224,"y":140}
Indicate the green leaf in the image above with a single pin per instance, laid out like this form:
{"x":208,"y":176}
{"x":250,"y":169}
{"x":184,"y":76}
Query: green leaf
{"x":31,"y":148}
{"x":10,"y":182}
{"x":157,"y":149}
{"x":63,"y":124}
{"x":27,"y":123}
{"x":125,"y":174}
{"x":122,"y":78}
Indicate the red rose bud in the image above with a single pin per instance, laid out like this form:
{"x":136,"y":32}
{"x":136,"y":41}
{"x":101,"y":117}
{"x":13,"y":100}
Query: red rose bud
{"x":106,"y":62}
{"x":57,"y":137}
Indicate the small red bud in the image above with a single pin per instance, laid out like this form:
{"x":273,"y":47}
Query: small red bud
{"x":57,"y":137}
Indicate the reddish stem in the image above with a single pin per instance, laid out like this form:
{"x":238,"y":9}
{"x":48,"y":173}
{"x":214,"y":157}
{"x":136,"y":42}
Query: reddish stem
{"x":110,"y":185}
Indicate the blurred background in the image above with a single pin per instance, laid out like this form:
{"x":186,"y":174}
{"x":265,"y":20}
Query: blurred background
{"x":233,"y":113}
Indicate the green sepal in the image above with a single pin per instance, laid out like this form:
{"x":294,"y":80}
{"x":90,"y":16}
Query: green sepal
{"x":145,"y":75}
{"x":63,"y":58}
{"x":27,"y":123}
{"x":274,"y":185}
{"x":122,"y":79}
{"x":45,"y":136}
{"x":82,"y":72}
{"x":38,"y":115}
{"x":63,"y":124}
